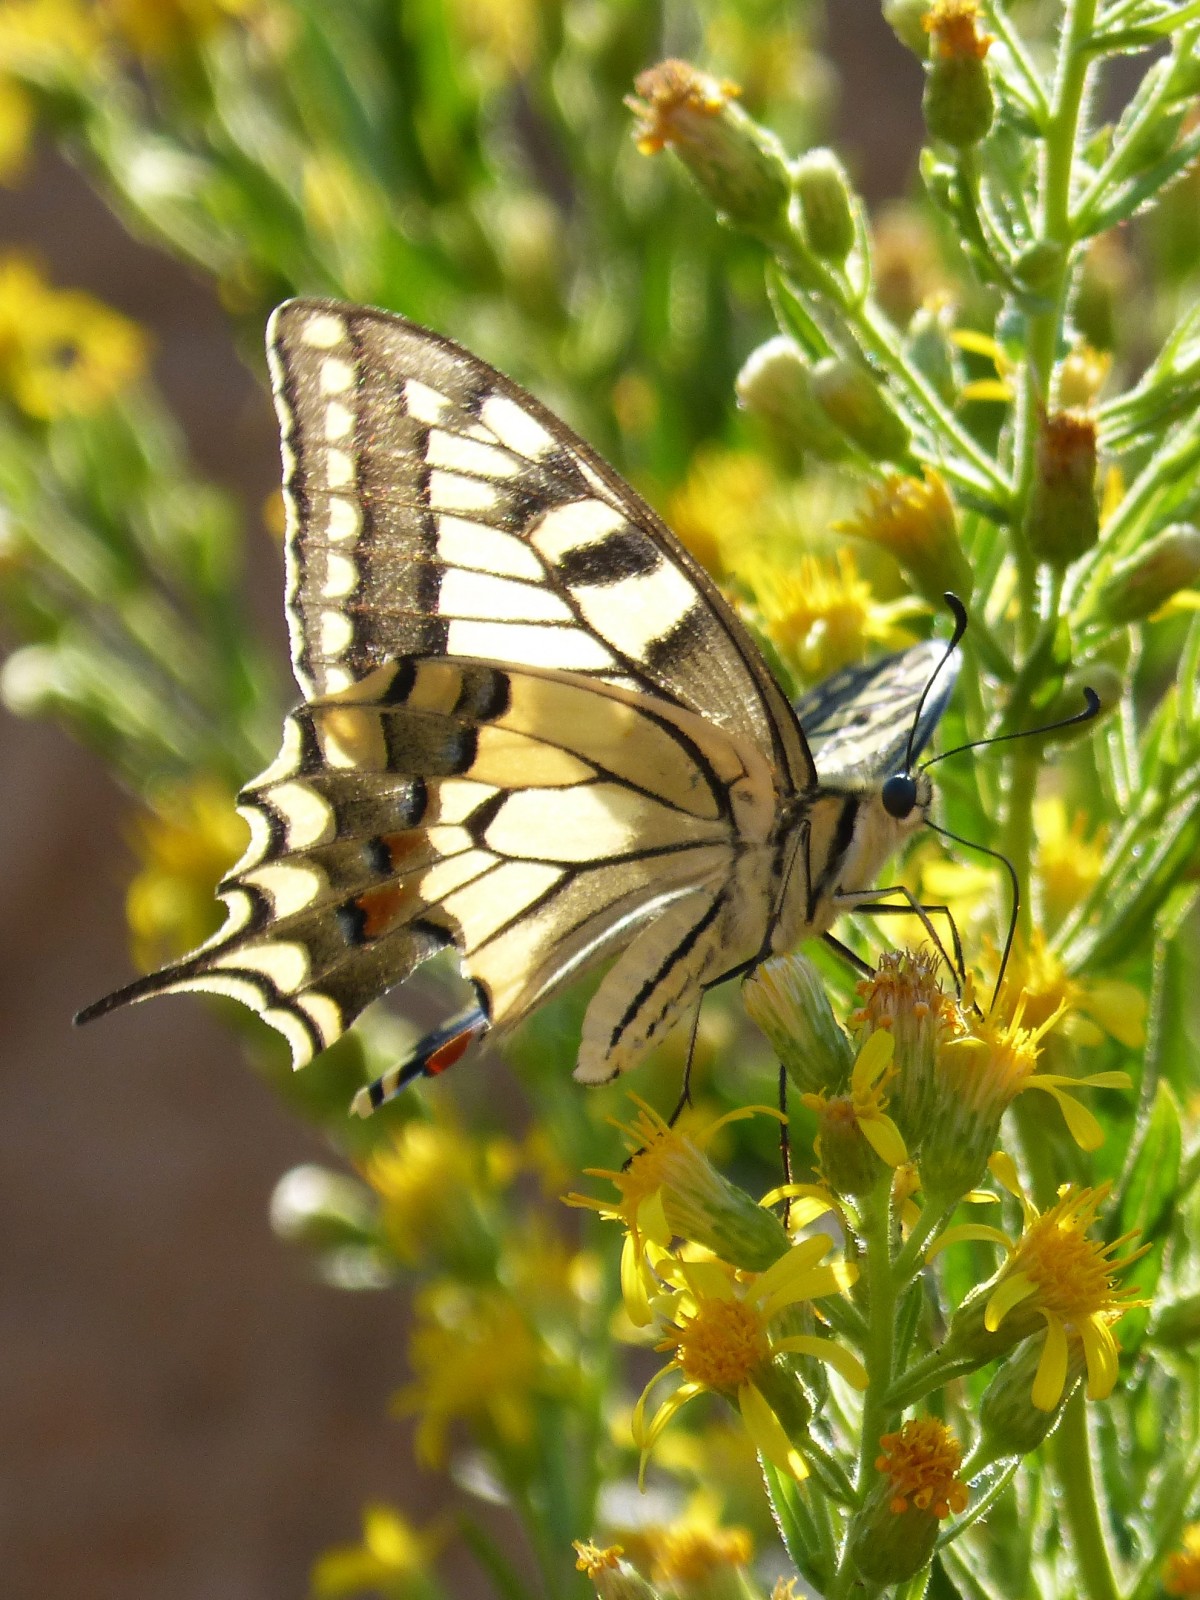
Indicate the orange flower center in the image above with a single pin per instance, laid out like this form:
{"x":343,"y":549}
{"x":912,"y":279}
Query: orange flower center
{"x":921,"y":1461}
{"x":1072,"y":1272}
{"x":723,"y":1344}
{"x":952,"y":24}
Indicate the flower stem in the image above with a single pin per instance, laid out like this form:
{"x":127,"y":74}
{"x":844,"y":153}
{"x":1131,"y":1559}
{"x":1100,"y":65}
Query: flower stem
{"x":1081,"y":1514}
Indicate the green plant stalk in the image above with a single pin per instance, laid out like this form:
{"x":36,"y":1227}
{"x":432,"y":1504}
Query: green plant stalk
{"x":908,"y":1263}
{"x":1072,"y":1461}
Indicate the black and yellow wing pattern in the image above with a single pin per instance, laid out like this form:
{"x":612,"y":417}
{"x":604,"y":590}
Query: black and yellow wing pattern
{"x":532,"y":729}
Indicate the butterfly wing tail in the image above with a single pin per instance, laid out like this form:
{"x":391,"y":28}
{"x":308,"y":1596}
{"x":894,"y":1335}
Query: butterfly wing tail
{"x":433,"y":1055}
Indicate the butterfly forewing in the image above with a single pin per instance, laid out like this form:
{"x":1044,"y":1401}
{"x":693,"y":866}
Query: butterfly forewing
{"x":436,"y":508}
{"x":858,"y":722}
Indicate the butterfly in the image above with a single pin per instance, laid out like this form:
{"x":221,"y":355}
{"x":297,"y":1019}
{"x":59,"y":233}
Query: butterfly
{"x":532,"y":730}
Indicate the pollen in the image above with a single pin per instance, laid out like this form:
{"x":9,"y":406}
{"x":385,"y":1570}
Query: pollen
{"x":922,"y":1461}
{"x":723,"y":1344}
{"x":953,"y":27}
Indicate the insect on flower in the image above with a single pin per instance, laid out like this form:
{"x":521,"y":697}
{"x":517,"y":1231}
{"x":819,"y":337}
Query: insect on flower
{"x":533,"y":730}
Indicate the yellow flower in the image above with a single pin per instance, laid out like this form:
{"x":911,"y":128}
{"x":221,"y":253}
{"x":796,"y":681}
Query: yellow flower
{"x":187,"y":844}
{"x":674,"y":100}
{"x":719,"y":1322}
{"x":894,"y":1534}
{"x":1057,"y":1273}
{"x":416,"y":1173}
{"x":921,"y":1462}
{"x":155,"y":29}
{"x":1181,"y":1570}
{"x":685,"y":1552}
{"x":904,"y":996}
{"x":595,"y":1559}
{"x":40,"y":38}
{"x":725,"y":492}
{"x":1086,"y":1008}
{"x":475,"y":1357}
{"x":953,"y":28}
{"x":1068,"y":862}
{"x":821,"y":615}
{"x":914,"y":520}
{"x":846,"y":1121}
{"x":393,"y":1558}
{"x":62,"y":351}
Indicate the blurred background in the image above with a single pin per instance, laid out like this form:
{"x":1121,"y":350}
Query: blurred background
{"x":184,"y":1411}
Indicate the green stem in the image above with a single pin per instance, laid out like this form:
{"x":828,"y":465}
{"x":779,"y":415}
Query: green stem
{"x":908,"y":1262}
{"x":1081,"y":1514}
{"x":877,"y":1350}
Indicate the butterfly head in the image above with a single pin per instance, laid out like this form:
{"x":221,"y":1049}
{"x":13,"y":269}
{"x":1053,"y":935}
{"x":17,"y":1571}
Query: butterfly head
{"x":900,"y":795}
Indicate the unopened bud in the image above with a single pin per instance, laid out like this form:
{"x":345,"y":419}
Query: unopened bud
{"x":904,"y":996}
{"x":826,"y":209}
{"x":322,"y":1209}
{"x":929,"y":347}
{"x":1038,"y":267}
{"x":786,"y":998}
{"x":700,"y":1204}
{"x":775,"y":385}
{"x":893,"y":1536}
{"x":854,"y":400}
{"x":906,"y":18}
{"x":1177,"y":1325}
{"x":1062,"y":522}
{"x":740,"y":166}
{"x":958,"y":103}
{"x":1009,"y":1424}
{"x":1138,"y":586}
{"x":847,"y":1160}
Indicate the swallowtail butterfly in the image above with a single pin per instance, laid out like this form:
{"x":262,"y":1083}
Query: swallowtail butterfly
{"x":532,"y":728}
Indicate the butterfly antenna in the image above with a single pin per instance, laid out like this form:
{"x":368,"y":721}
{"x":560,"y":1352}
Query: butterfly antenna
{"x":996,"y":855}
{"x":959,"y":612}
{"x":1090,"y":710}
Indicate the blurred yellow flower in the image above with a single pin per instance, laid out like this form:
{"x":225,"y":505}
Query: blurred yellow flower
{"x":1068,"y":859}
{"x":475,"y":1357}
{"x":723,"y":494}
{"x":434,"y":1180}
{"x":158,"y":28}
{"x":187,"y":844}
{"x":61,"y":350}
{"x":39,"y":38}
{"x":17,"y":118}
{"x":689,"y":1549}
{"x":394,"y":1559}
{"x":1085,"y":1008}
{"x":1181,"y":1570}
{"x":822,"y":614}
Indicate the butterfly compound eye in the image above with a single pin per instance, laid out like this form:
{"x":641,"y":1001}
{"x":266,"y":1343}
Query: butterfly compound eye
{"x":899,"y":795}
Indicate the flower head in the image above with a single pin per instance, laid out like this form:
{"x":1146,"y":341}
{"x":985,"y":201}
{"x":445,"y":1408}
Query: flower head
{"x":822,"y":614}
{"x":682,"y":1554}
{"x":895,"y":1532}
{"x":855,"y":1132}
{"x":416,"y":1171}
{"x":186,"y":844}
{"x":393,"y":1558}
{"x":953,"y":28}
{"x":722,"y":1327}
{"x":904,"y":996}
{"x":1085,"y":1009}
{"x":62,"y":351}
{"x":1069,"y":859}
{"x":914,"y":520}
{"x":1063,"y":518}
{"x":1057,"y":1275}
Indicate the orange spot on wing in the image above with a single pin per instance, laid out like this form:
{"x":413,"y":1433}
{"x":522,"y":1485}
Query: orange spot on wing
{"x":383,"y":908}
{"x":453,"y":1050}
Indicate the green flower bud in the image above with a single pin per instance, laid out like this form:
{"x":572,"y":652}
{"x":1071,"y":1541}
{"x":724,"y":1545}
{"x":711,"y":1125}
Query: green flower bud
{"x":853,"y":398}
{"x":322,"y":1209}
{"x":1177,"y":1325}
{"x":786,"y":998}
{"x":848,"y":1163}
{"x":929,"y":348}
{"x":893,"y":1536}
{"x":702,"y":1205}
{"x":970,"y":1339}
{"x":1138,"y":586}
{"x":775,"y":385}
{"x":739,"y":166}
{"x":1038,"y":266}
{"x":906,"y":18}
{"x":826,"y":209}
{"x":958,"y":103}
{"x":1010,"y":1424}
{"x":1062,"y":522}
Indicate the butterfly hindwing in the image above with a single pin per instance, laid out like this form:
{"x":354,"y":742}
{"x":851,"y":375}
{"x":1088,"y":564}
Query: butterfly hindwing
{"x":534,"y":820}
{"x":436,"y":508}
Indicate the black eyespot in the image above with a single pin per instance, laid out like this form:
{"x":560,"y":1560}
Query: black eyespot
{"x":899,"y":795}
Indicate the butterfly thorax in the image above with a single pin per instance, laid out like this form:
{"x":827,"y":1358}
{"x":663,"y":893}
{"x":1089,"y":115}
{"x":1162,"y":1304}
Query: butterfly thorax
{"x":834,"y":843}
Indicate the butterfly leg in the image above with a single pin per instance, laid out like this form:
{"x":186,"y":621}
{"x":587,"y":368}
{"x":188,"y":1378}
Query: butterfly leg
{"x":434,"y":1054}
{"x":867,"y":904}
{"x":863,"y":968}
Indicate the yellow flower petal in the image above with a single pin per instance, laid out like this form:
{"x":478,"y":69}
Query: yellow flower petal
{"x":885,"y":1138}
{"x":766,"y":1430}
{"x":1010,"y":1292}
{"x":1051,"y":1376}
{"x":986,"y":389}
{"x":811,"y":1285}
{"x":652,"y":1219}
{"x":634,"y":1292}
{"x":1081,"y":1123}
{"x":1103,"y":1357}
{"x":1120,"y":1008}
{"x":845,"y":1361}
{"x":966,"y":1231}
{"x":873,"y":1061}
